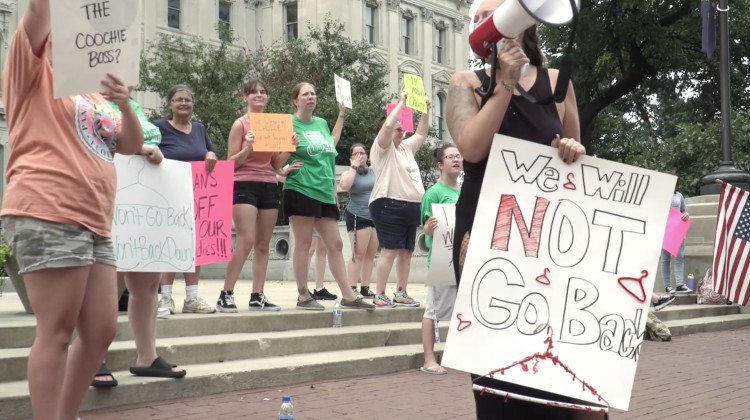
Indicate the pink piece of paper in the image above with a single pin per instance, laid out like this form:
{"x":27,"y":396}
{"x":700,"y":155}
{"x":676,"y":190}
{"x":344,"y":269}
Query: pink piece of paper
{"x":406,"y":118}
{"x":675,"y":232}
{"x":212,"y":208}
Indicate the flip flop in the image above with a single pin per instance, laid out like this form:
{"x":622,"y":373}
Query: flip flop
{"x":160,"y":368}
{"x":103,"y":371}
{"x":433,"y":370}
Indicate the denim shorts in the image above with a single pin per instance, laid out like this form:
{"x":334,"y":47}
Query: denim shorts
{"x":396,"y":222}
{"x":38,"y":244}
{"x":261,"y":195}
{"x":356,"y":223}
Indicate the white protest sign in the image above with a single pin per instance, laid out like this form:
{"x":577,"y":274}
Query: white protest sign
{"x":92,"y":38}
{"x":343,"y":91}
{"x":562,"y":259}
{"x":153,"y":225}
{"x":441,"y":272}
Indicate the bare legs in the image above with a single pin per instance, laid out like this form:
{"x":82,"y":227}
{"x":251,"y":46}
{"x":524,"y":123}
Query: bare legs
{"x":385,"y":264}
{"x":254,"y":229}
{"x":360,"y":266}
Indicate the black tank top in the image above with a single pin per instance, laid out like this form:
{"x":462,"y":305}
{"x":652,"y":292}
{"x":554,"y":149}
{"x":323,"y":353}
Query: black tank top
{"x":539,"y":123}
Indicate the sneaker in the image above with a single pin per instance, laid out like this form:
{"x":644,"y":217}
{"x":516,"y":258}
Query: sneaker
{"x":310,"y":305}
{"x":366,"y":292}
{"x":324,"y":294}
{"x":258,"y":302}
{"x":167,"y":304}
{"x":197,"y":306}
{"x":404,"y":300}
{"x":355,"y":291}
{"x":670,"y":290}
{"x":382,"y":301}
{"x":226,"y":302}
{"x":162,"y":313}
{"x":663,"y":301}
{"x":683,"y":289}
{"x":357,"y":303}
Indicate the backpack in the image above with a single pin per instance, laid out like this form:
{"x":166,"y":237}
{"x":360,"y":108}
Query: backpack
{"x":656,"y":329}
{"x":706,"y":293}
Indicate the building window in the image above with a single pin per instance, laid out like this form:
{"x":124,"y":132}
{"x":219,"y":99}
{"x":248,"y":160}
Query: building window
{"x":439,"y":39}
{"x":440,"y":115}
{"x":290,"y":20}
{"x":173,"y":14}
{"x":370,"y":16}
{"x":407,"y":34}
{"x":225,"y":21}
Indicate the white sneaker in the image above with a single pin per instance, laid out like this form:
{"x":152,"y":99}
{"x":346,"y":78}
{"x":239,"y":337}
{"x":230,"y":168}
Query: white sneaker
{"x":162,"y":313}
{"x":167,"y":304}
{"x":197,"y":306}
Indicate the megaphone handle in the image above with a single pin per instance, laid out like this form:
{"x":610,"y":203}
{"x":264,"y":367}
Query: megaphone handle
{"x":486,"y":94}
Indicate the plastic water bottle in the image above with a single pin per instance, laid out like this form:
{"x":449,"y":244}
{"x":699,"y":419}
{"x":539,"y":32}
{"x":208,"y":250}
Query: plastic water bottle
{"x":286,"y":412}
{"x":337,"y":314}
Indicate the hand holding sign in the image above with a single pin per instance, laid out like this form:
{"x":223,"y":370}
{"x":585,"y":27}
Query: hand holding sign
{"x":343,"y":91}
{"x":405,"y":118}
{"x":415,"y":89}
{"x":272,"y":132}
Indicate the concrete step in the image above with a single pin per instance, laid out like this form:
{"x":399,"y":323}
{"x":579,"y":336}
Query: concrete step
{"x":684,"y":312}
{"x":707,"y":324}
{"x":206,"y":378}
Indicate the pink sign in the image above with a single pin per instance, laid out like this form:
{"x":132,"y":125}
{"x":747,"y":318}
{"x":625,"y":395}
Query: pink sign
{"x":675,"y":232}
{"x":406,"y":119}
{"x":213,"y":196}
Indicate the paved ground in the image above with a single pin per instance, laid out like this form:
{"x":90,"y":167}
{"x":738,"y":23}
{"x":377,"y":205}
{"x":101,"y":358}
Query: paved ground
{"x":700,"y":376}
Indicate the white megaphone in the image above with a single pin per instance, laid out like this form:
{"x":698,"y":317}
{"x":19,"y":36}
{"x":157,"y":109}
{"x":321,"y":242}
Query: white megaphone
{"x":513,"y":17}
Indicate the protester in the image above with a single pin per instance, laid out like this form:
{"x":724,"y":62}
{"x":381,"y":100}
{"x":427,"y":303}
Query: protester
{"x":57,"y":213}
{"x":358,"y":181}
{"x":318,"y":248}
{"x":440,"y":300}
{"x":184,"y":140}
{"x":473,"y":127}
{"x":394,"y":202}
{"x":255,"y":202}
{"x":678,"y":202}
{"x":308,"y":197}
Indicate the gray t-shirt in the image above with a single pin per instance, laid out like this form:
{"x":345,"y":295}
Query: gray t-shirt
{"x":359,"y":194}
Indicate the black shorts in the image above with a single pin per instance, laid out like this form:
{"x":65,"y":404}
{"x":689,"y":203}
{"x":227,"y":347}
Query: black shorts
{"x":356,"y":223}
{"x":396,"y":222}
{"x":294,"y":203}
{"x":261,"y":195}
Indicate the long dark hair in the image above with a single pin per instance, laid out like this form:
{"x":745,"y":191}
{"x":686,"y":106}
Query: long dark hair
{"x":249,"y":86}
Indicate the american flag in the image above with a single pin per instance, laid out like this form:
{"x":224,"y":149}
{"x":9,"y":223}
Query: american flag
{"x":731,"y":246}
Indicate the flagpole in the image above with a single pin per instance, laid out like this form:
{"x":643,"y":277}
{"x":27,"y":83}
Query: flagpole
{"x":726,"y":171}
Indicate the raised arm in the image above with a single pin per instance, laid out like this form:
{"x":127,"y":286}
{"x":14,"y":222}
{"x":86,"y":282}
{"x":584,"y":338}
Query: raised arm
{"x":36,"y":23}
{"x":422,"y":128}
{"x":130,"y":138}
{"x":385,"y":135}
{"x":339,"y":126}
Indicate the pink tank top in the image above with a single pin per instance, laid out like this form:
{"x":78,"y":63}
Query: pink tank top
{"x":257,"y":166}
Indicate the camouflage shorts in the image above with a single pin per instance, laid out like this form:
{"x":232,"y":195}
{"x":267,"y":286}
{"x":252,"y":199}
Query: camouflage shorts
{"x":38,"y":244}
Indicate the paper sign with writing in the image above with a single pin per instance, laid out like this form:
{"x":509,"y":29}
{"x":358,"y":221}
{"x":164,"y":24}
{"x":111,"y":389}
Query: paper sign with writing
{"x":406,"y":118}
{"x":415,"y":98}
{"x":273,"y":132}
{"x":153,"y":224}
{"x":556,"y":285}
{"x":212,"y":198}
{"x":343,"y":91}
{"x":92,"y":38}
{"x":441,"y":272}
{"x":675,"y":233}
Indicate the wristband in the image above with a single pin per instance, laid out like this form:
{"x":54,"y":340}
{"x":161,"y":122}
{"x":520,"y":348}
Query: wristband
{"x":355,"y":167}
{"x":341,"y":116}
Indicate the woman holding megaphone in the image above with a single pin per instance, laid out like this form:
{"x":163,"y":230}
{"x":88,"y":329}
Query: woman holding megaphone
{"x":473,"y":124}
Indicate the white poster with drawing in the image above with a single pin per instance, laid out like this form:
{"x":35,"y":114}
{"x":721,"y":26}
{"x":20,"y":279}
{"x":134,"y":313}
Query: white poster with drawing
{"x":558,"y":276}
{"x":343,"y":90}
{"x":92,"y":38}
{"x":441,"y":272}
{"x":153,"y":225}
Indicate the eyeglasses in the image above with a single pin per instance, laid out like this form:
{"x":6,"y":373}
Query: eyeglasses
{"x":359,"y":153}
{"x":399,"y":130}
{"x":453,"y":157}
{"x":182,"y":101}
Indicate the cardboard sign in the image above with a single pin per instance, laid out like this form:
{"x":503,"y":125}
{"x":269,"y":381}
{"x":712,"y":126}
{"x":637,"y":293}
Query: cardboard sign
{"x":675,"y":233}
{"x":405,"y":118}
{"x":556,"y":285}
{"x":213,"y":198}
{"x":93,"y":38}
{"x":414,"y":87}
{"x":273,"y":132}
{"x":441,"y":272}
{"x":343,"y":91}
{"x":153,"y":222}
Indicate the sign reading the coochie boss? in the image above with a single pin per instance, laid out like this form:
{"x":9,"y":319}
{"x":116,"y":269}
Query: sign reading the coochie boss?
{"x":91,"y":39}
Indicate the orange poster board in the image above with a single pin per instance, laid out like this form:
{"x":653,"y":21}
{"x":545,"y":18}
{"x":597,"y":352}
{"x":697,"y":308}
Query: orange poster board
{"x":273,"y":132}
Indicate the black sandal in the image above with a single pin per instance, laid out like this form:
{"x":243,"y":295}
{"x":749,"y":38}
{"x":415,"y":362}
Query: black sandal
{"x":160,"y":368}
{"x":103,"y":371}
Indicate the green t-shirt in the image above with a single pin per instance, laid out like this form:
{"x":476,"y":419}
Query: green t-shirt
{"x":317,"y":153}
{"x":439,"y":193}
{"x":151,"y":133}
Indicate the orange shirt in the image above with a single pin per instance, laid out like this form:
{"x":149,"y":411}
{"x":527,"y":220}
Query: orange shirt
{"x":60,"y":167}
